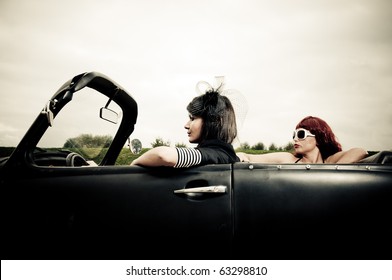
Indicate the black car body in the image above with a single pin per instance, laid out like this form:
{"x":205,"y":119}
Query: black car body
{"x":57,"y":204}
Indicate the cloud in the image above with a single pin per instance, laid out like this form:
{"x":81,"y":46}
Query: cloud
{"x":290,"y":59}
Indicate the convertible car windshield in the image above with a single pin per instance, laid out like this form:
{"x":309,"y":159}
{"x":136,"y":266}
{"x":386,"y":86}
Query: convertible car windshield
{"x":79,"y":129}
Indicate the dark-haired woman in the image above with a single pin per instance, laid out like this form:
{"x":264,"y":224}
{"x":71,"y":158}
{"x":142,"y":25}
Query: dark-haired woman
{"x":211,"y":125}
{"x":314,"y":142}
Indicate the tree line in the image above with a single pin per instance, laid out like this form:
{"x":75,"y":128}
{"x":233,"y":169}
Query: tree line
{"x":243,"y":147}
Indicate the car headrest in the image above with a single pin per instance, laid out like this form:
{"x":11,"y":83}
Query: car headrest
{"x":382,"y":157}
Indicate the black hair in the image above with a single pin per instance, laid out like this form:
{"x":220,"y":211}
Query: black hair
{"x":218,"y":116}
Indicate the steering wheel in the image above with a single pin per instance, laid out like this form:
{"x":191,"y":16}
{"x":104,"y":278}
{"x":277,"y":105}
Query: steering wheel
{"x":74,"y":159}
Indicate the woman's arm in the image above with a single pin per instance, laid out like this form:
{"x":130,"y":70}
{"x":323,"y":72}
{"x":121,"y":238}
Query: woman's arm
{"x":158,"y":156}
{"x":349,"y":156}
{"x":275,"y":157}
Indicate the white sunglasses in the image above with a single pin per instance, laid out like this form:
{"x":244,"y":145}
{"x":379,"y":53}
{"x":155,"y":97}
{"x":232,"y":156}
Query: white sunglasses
{"x":302,"y":133}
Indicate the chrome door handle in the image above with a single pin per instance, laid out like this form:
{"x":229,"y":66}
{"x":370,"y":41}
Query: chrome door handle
{"x":209,"y":189}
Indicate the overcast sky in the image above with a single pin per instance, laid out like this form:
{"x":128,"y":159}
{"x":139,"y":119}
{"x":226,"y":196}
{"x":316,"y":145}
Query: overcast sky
{"x":290,"y":59}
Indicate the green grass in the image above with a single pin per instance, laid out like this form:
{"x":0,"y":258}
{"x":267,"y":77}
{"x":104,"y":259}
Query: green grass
{"x":125,"y":157}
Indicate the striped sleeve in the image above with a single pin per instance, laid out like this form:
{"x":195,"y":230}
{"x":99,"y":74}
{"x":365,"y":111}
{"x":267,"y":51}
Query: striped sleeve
{"x":187,"y":157}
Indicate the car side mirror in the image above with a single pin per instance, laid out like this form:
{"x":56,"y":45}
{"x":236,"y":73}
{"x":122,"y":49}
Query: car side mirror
{"x":135,"y":145}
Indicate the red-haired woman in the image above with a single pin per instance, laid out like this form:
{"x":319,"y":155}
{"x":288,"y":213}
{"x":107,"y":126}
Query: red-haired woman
{"x":314,"y":142}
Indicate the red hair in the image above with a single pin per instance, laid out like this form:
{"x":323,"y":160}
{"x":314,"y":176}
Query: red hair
{"x":325,"y":138}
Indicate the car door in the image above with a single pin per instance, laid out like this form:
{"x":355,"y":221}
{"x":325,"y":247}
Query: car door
{"x":319,"y":211}
{"x":119,"y":212}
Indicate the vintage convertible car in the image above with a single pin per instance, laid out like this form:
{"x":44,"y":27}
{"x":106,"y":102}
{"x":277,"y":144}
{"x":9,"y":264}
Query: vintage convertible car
{"x":77,"y":203}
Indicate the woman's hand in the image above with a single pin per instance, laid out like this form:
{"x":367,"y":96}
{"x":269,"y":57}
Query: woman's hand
{"x":243,"y":157}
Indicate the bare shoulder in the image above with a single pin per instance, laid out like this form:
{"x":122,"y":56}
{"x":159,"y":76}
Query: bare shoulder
{"x":349,"y":156}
